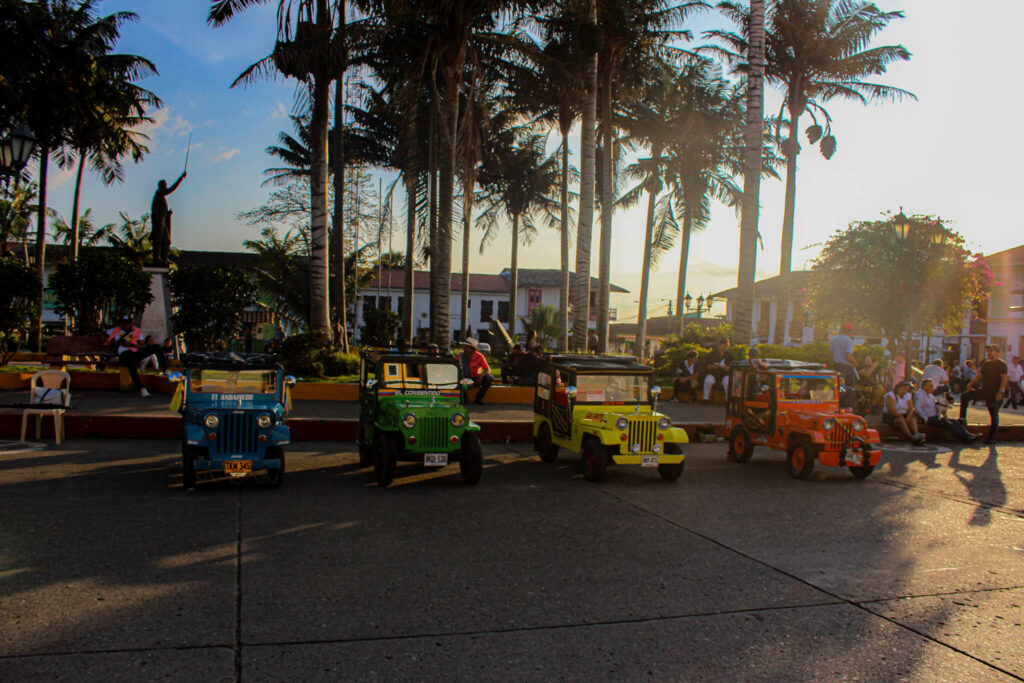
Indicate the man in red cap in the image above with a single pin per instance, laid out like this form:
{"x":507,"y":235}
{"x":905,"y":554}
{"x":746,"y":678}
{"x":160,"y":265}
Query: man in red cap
{"x":841,"y":349}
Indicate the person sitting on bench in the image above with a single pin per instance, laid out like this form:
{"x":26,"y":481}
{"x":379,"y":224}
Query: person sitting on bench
{"x":126,"y":337}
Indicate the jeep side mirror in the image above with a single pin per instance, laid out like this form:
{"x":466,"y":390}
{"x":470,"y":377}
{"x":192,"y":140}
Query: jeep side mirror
{"x":176,"y":377}
{"x":371,"y":383}
{"x":466,"y":383}
{"x":570,"y":391}
{"x":289,"y":380}
{"x":655,"y":392}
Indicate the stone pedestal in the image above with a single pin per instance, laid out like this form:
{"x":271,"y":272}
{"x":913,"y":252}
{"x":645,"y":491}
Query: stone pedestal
{"x":156,"y":319}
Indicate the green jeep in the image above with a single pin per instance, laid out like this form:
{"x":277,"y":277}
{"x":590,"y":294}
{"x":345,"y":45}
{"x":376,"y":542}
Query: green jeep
{"x":412,"y":408}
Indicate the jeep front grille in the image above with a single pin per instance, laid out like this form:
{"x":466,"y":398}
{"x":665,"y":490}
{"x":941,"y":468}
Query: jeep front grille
{"x":644,"y":432}
{"x":434,"y":432}
{"x":237,"y":434}
{"x":838,"y":436}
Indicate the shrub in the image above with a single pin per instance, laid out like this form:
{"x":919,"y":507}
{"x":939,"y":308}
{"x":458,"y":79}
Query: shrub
{"x":19,"y":295}
{"x":210,"y":301}
{"x":814,"y":352}
{"x":313,"y":354}
{"x":102,"y":285}
{"x":379,"y":328}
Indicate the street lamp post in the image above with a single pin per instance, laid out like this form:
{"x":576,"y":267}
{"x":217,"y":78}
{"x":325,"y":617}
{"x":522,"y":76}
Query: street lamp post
{"x":703,"y":305}
{"x":913,"y":235}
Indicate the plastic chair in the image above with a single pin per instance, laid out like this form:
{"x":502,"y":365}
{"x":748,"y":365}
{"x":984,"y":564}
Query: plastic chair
{"x":50,"y":394}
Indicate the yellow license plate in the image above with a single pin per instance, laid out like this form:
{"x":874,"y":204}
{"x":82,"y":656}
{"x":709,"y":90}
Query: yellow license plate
{"x":242,"y":466}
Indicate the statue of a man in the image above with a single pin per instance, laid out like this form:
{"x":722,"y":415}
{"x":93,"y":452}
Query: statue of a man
{"x":160,"y":215}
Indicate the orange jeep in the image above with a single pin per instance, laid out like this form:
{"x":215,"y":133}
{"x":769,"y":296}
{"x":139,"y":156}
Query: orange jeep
{"x":795,"y":406}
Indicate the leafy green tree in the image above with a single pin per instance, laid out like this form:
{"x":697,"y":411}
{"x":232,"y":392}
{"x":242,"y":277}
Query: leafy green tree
{"x":209,"y":301}
{"x":16,"y":210}
{"x":865,"y":264}
{"x":380,"y":328}
{"x":132,"y":237}
{"x":18,"y":286}
{"x":99,"y":289}
{"x":544,"y":321}
{"x":815,"y":51}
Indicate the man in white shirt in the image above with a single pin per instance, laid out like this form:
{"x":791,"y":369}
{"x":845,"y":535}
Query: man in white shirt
{"x":928,"y":410}
{"x":1014,"y":372}
{"x":936,"y":372}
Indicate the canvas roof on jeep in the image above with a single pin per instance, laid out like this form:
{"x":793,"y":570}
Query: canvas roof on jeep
{"x":599,"y":365}
{"x":230,"y":360}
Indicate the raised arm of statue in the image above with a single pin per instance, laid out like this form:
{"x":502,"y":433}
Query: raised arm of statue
{"x":177,"y":182}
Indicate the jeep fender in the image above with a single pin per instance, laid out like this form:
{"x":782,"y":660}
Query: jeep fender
{"x":472,"y":427}
{"x":676,"y":435}
{"x":814,"y":437}
{"x":607,"y":437}
{"x":279,"y":435}
{"x":194,"y":435}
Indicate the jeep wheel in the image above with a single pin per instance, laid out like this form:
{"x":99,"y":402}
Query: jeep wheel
{"x":365,"y":455}
{"x":547,"y":450}
{"x":801,"y":455}
{"x":671,"y":472}
{"x":740,"y":445}
{"x":275,"y":477}
{"x":471,"y":463}
{"x":861,"y":471}
{"x":188,"y":466}
{"x":595,"y":459}
{"x":385,"y":460}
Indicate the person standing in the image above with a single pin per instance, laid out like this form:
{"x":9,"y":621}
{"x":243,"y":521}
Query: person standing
{"x":476,"y":368}
{"x":125,"y":338}
{"x":841,"y":349}
{"x":993,"y":379}
{"x":1013,"y":376}
{"x":936,"y":372}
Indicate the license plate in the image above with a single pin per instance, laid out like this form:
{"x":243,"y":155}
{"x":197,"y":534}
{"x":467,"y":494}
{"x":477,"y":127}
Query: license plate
{"x":648,"y":461}
{"x":854,"y":458}
{"x":238,"y":468}
{"x":435,"y":459}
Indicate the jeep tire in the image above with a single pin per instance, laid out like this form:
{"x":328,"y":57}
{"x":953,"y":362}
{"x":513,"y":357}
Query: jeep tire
{"x":672,"y":472}
{"x":594,"y":458}
{"x":275,"y":476}
{"x":544,"y":446}
{"x":471,"y":462}
{"x":800,"y":457}
{"x":385,"y":460}
{"x":740,"y":445}
{"x":188,"y":465}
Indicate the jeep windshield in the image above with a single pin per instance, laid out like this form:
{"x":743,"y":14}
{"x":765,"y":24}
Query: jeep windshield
{"x":411,"y":375}
{"x":233,"y":381}
{"x":807,"y":388}
{"x":612,"y":388}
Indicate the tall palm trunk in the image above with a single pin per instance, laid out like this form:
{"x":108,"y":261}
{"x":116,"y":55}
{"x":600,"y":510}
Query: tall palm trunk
{"x":74,"y":206}
{"x":513,"y":281}
{"x":338,"y":290}
{"x":604,"y":268}
{"x":441,"y":239}
{"x":563,"y":277}
{"x":742,"y":318}
{"x":44,"y":162}
{"x":319,"y":317}
{"x":467,"y":222}
{"x":792,"y":148}
{"x":645,"y":273}
{"x":581,"y":287}
{"x":410,"y":256}
{"x":684,"y":257}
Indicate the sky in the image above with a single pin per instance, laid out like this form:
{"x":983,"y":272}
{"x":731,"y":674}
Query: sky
{"x":930,"y":156}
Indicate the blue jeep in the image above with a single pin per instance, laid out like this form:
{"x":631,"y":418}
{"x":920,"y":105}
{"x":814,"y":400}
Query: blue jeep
{"x":232,"y":409}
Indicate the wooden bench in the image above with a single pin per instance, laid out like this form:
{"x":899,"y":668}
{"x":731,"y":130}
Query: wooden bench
{"x":84,"y":349}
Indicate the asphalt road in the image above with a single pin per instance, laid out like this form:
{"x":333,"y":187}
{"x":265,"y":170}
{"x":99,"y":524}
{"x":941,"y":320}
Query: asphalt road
{"x":109,"y":571}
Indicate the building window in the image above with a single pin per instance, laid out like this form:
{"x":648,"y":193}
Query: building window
{"x":533,"y":298}
{"x":384,"y":303}
{"x":401,"y":306}
{"x":369,"y":303}
{"x":766,"y":312}
{"x":503,"y":311}
{"x":486,"y":310}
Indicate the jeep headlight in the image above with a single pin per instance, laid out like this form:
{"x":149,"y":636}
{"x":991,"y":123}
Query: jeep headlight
{"x":408,"y":420}
{"x":458,"y":419}
{"x":211,"y":421}
{"x":858,"y":425}
{"x":828,"y":424}
{"x":622,"y":424}
{"x":264,"y":421}
{"x":664,"y":423}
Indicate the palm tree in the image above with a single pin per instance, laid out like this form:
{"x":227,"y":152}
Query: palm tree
{"x":309,"y":49}
{"x":282,"y":272}
{"x":64,"y":46}
{"x":753,"y":133}
{"x":520,"y":181}
{"x":131,"y":237}
{"x":815,"y":51}
{"x":585,"y":31}
{"x":88,"y":233}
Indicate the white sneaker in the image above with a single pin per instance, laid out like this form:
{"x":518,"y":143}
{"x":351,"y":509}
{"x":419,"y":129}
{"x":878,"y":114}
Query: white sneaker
{"x":144,"y":393}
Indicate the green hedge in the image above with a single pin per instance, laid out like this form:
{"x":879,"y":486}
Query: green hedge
{"x":313,"y":354}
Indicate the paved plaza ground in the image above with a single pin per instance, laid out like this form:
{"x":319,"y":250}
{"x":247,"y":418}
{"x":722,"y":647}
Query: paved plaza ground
{"x":109,"y":571}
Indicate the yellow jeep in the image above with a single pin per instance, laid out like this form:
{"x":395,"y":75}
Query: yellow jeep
{"x":605,"y":408}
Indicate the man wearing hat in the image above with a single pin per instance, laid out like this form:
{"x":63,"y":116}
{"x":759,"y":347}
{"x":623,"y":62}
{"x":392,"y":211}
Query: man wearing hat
{"x":841,"y":349}
{"x":475,"y":367}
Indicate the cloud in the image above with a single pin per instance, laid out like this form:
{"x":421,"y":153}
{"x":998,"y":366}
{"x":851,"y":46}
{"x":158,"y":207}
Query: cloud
{"x":226,"y":154}
{"x":280,"y":111}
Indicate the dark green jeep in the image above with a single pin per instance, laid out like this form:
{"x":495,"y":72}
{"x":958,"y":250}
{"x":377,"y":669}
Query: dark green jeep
{"x":412,"y":408}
